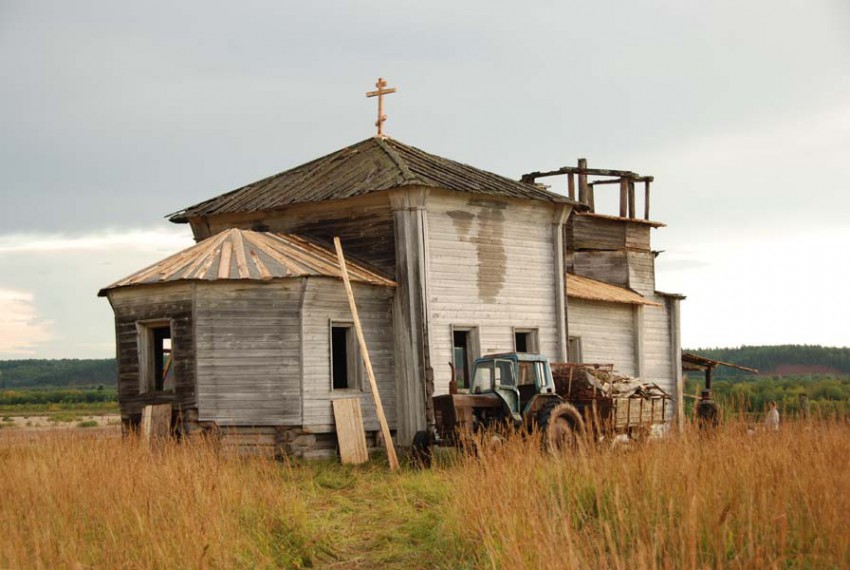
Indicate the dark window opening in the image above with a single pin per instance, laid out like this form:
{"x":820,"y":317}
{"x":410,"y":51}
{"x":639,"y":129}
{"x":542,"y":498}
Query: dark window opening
{"x":521,"y":341}
{"x":156,"y":359}
{"x":461,"y":357}
{"x":525,"y":341}
{"x":162,"y":361}
{"x":343,"y":363}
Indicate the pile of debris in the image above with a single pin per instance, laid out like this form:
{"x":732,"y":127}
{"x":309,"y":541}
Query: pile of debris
{"x":590,"y":381}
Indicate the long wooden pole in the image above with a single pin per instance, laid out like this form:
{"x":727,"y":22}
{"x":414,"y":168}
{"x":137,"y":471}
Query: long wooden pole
{"x":364,"y":352}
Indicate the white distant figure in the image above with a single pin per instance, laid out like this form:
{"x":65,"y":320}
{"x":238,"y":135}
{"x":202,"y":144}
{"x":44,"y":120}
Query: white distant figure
{"x":771,"y":422}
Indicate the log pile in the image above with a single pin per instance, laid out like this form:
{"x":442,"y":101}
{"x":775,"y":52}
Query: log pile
{"x":592,"y":381}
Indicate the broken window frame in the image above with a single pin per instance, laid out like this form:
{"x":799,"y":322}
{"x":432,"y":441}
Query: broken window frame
{"x":354,"y":372}
{"x":532,"y":340}
{"x":147,"y":356}
{"x":473,"y":351}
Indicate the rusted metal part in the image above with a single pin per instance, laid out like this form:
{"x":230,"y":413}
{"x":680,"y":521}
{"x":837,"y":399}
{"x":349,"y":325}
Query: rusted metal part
{"x":247,"y":255}
{"x":608,"y":402}
{"x":454,"y":414}
{"x":373,"y":165}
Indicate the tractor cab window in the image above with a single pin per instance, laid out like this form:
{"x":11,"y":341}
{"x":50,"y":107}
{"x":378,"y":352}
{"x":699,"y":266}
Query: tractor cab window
{"x":528,"y":374}
{"x":505,"y":373}
{"x":530,"y":379}
{"x":482,"y":381}
{"x":492,"y":373}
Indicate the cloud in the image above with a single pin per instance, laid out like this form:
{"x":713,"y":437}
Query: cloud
{"x":21,"y":329}
{"x":773,"y":289}
{"x":107,"y":240}
{"x":49,"y":282}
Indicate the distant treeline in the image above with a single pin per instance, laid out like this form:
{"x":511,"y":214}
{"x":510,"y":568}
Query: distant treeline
{"x":781,"y":360}
{"x":794,"y":394}
{"x":63,"y":373}
{"x":57,"y":396}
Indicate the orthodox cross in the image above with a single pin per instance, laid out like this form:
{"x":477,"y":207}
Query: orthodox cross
{"x":380,"y":95}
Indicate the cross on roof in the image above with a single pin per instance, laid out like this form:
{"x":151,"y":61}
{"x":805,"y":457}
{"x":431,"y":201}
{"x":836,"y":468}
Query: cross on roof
{"x":380,"y":95}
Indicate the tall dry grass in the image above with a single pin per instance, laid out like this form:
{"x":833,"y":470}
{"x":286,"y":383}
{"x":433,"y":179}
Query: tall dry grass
{"x":726,"y":501}
{"x":75,"y":502}
{"x":732,"y":500}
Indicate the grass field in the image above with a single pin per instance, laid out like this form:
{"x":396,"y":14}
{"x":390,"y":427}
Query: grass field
{"x":78,"y":499}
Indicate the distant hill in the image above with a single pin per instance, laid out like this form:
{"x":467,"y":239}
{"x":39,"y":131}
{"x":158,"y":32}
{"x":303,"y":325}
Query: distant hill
{"x":781,"y":360}
{"x":56,"y":373}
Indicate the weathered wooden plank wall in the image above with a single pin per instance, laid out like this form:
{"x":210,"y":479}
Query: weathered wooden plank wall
{"x":410,"y":330}
{"x":490,"y":265}
{"x":325,"y":301}
{"x":602,"y":265}
{"x":607,"y":332}
{"x":658,"y":355}
{"x":365,"y":225}
{"x":641,"y":265}
{"x":160,"y":303}
{"x":248,"y":346}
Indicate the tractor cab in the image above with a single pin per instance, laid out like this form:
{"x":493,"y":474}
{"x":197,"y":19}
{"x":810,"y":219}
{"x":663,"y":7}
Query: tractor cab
{"x":515,"y":377}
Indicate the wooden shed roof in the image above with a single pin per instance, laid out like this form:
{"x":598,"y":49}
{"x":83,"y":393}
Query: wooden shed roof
{"x":582,"y":287}
{"x":372,"y":165}
{"x":247,"y":255}
{"x":691,"y":361}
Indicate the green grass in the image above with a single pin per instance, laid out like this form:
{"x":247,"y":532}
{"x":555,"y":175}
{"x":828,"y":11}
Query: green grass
{"x":87,"y":424}
{"x":80,"y":409}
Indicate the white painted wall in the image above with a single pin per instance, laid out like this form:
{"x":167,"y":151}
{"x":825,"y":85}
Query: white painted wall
{"x":490,"y":265}
{"x":607,"y":332}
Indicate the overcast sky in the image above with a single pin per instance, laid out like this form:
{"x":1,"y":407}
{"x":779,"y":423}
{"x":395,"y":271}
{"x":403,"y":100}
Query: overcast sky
{"x":115,"y":114}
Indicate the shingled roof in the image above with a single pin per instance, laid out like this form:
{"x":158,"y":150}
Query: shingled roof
{"x":372,"y":165}
{"x":247,"y":255}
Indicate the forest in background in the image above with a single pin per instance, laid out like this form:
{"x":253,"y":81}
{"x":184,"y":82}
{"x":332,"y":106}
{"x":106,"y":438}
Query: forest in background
{"x":773,"y":361}
{"x":780,"y":360}
{"x":64,"y":373}
{"x":793,"y":375}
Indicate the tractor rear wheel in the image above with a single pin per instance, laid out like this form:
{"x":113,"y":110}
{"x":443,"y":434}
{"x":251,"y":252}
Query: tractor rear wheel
{"x":561,"y":426}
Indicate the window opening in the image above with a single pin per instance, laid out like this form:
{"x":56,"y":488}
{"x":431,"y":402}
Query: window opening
{"x":461,"y":356}
{"x":574,"y":349}
{"x":156,"y":358}
{"x":525,"y":340}
{"x":343,"y":358}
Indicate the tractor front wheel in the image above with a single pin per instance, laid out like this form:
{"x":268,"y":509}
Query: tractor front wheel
{"x":561,"y":426}
{"x":423,"y":449}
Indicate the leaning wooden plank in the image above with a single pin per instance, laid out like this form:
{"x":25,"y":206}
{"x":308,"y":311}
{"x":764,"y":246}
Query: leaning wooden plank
{"x":156,"y":421}
{"x":364,"y":352}
{"x":349,"y":431}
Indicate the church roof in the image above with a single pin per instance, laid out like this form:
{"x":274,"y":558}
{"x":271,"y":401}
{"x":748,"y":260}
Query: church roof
{"x":581,"y":287}
{"x":247,"y":255}
{"x":372,"y":165}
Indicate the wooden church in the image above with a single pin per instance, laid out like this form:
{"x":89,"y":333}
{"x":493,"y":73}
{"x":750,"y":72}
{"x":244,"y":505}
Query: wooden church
{"x":249,"y":330}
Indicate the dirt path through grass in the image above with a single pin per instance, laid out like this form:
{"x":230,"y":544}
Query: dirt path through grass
{"x":368,"y":518}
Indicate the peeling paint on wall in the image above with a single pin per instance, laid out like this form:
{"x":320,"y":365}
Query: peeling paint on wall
{"x":491,"y":253}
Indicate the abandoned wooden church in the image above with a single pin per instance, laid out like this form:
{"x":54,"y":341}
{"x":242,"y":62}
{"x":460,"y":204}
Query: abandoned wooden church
{"x":249,"y":330}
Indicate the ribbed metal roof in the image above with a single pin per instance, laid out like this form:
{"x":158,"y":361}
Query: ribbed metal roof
{"x":582,"y":287}
{"x":371,"y":165}
{"x":247,"y":255}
